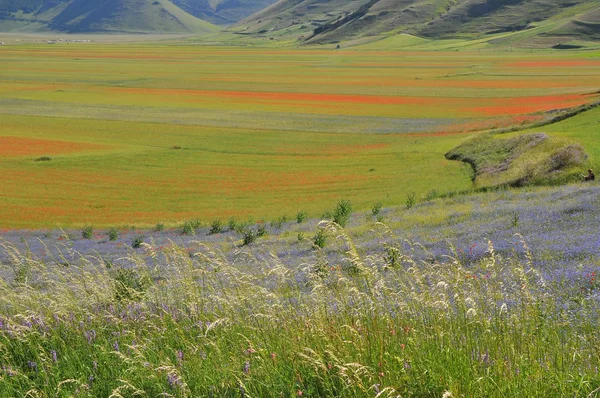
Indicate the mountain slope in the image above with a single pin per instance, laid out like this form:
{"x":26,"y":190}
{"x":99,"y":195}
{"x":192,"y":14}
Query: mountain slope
{"x":318,"y":21}
{"x":77,"y":16}
{"x":222,"y":12}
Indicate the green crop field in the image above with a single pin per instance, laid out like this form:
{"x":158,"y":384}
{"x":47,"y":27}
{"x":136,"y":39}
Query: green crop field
{"x":143,"y":133}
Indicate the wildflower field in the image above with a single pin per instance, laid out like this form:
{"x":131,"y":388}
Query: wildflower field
{"x":197,"y":221}
{"x":136,"y":134}
{"x":491,"y":294}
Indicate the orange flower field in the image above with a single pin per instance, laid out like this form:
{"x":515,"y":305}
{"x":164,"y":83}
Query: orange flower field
{"x":148,"y":133}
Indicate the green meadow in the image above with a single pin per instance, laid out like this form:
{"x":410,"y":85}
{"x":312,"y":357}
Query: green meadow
{"x":407,"y":289}
{"x":136,"y":134}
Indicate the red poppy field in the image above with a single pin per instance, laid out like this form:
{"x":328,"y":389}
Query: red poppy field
{"x":141,"y":134}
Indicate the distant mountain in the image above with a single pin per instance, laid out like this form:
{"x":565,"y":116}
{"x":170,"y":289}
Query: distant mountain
{"x":330,"y":21}
{"x":222,"y":12}
{"x":77,"y":16}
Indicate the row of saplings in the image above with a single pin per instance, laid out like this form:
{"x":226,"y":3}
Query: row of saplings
{"x":250,"y":232}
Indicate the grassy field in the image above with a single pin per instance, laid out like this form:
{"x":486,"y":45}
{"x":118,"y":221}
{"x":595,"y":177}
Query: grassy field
{"x":486,"y":294}
{"x":147,"y":133}
{"x":442,"y":300}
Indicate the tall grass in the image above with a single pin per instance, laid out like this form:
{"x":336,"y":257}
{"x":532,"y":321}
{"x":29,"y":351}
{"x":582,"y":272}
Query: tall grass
{"x":190,"y":322}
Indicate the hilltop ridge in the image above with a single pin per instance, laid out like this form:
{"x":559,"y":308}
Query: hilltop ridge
{"x":318,"y":22}
{"x":222,"y":12}
{"x":102,"y":16}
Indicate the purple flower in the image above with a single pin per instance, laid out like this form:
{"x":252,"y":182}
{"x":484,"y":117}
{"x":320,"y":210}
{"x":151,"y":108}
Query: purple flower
{"x":174,"y":380}
{"x":247,"y":367}
{"x":116,"y":346}
{"x":8,"y":370}
{"x":54,"y":356}
{"x":90,"y":336}
{"x":485,"y":359}
{"x":180,"y":357}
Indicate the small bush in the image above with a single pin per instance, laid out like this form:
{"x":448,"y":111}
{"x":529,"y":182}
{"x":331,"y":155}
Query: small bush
{"x":411,"y":200}
{"x":392,"y":256}
{"x":187,"y":229}
{"x":514,"y":222}
{"x":301,"y":217}
{"x":249,"y":237}
{"x":190,"y":227}
{"x":232,"y":223}
{"x":242,"y":227}
{"x":320,"y":238}
{"x":215,"y":227}
{"x":43,"y":159}
{"x":113,"y":234}
{"x":261,"y":231}
{"x":431,"y":195}
{"x":195,"y":223}
{"x":129,"y":284}
{"x":87,"y":232}
{"x":137,"y":241}
{"x":279,"y":223}
{"x":376,"y":209}
{"x":301,"y":237}
{"x":342,"y":212}
{"x":159,"y":227}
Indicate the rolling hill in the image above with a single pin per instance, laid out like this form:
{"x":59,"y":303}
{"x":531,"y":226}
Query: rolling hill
{"x":222,"y":12}
{"x":317,"y":21}
{"x":105,"y":16}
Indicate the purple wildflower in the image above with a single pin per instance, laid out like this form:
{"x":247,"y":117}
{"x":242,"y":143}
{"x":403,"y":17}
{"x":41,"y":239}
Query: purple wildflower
{"x":174,"y":380}
{"x":90,"y":336}
{"x":54,"y":356}
{"x":8,"y":370}
{"x":116,"y":346}
{"x":485,"y":359}
{"x":247,"y":367}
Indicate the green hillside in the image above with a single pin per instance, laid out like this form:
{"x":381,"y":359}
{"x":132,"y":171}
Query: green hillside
{"x":222,"y":12}
{"x":318,"y":22}
{"x":77,"y":16}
